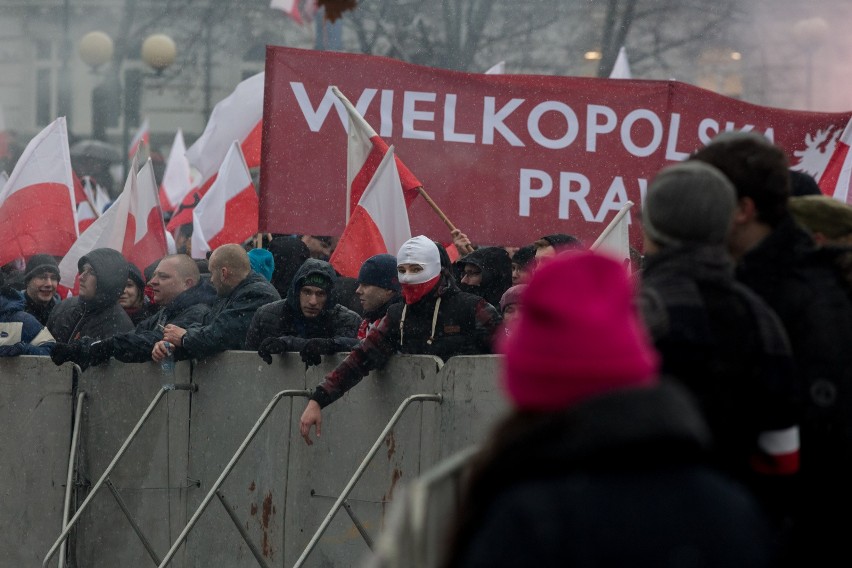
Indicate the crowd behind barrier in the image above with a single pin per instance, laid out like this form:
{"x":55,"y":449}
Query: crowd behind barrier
{"x":280,"y":490}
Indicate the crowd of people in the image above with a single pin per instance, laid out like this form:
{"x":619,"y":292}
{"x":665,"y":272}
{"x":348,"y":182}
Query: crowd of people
{"x":695,"y":409}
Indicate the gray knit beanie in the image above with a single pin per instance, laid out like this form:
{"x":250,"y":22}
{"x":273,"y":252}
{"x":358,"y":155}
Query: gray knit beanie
{"x":689,"y":203}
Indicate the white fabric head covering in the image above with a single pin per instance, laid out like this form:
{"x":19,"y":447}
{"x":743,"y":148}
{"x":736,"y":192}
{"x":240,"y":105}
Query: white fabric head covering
{"x":419,"y":250}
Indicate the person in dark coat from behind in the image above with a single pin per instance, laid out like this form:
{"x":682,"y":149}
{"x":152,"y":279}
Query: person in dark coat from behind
{"x":240,"y":292}
{"x":95,"y":313}
{"x":599,"y":464}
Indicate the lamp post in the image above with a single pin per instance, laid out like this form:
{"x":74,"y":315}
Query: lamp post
{"x":810,"y":34}
{"x":158,"y":52}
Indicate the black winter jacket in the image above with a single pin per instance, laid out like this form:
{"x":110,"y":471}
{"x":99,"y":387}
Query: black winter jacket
{"x":186,"y":310}
{"x":40,"y":311}
{"x":284,"y":317}
{"x":224,"y":327}
{"x":100,"y":317}
{"x":618,"y":480}
{"x":496,"y":267}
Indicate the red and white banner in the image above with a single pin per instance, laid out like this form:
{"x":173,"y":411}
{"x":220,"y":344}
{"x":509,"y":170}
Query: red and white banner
{"x":228,"y":212}
{"x":37,"y":201}
{"x":836,"y":177}
{"x":379,"y":223}
{"x":508,"y":158}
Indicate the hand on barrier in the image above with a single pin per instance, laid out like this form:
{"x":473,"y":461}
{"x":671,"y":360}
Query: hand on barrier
{"x":274,"y":345}
{"x":100,"y":352}
{"x":312,"y":416}
{"x":64,"y":352}
{"x":315,"y":348}
{"x":12,"y":350}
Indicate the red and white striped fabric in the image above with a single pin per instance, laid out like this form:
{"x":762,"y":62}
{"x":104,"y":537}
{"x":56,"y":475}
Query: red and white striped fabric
{"x":379,"y":223}
{"x":142,"y":136}
{"x":37,"y":201}
{"x":177,"y":179}
{"x":778,"y":452}
{"x":365,"y":150}
{"x":141,"y":243}
{"x":228,"y":213}
{"x":835,"y":178}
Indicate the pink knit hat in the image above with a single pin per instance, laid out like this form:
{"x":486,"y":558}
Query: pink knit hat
{"x":578,"y":335}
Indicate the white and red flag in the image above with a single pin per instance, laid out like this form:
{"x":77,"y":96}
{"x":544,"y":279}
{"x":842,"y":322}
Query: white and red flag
{"x":365,"y":150}
{"x":289,"y":7}
{"x":835,"y":178}
{"x":621,"y":68}
{"x":228,"y":212}
{"x":239,"y":116}
{"x":37,"y":201}
{"x":614,"y":240}
{"x":133,"y":225}
{"x":177,"y":179}
{"x":92,"y":200}
{"x":379,"y":222}
{"x":142,"y":136}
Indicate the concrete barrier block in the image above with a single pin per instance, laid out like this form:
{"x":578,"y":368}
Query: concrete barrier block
{"x":35,"y":436}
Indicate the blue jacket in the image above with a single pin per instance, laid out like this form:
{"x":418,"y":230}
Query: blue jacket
{"x":20,"y":330}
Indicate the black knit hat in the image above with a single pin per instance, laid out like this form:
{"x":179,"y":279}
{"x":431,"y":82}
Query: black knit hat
{"x":318,"y":280}
{"x":380,"y":270}
{"x":39,"y":263}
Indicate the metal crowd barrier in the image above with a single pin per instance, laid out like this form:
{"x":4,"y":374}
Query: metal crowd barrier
{"x":104,"y":479}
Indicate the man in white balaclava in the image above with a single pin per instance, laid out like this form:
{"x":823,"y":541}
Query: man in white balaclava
{"x":436,"y":318}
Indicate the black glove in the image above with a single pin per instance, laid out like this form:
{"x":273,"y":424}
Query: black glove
{"x":315,"y":348}
{"x":12,"y":350}
{"x":100,"y":352}
{"x":273,"y":345}
{"x":64,"y":352}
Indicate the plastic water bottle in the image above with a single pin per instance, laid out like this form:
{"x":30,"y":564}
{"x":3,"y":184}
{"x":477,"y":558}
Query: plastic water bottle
{"x":167,"y":365}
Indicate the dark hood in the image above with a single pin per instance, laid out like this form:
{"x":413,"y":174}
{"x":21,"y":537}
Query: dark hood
{"x":311,"y":266}
{"x":289,"y":253}
{"x":112,"y":271}
{"x":496,"y":267}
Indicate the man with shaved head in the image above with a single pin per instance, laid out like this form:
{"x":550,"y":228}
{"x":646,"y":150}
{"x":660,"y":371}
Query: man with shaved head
{"x":182,"y":298}
{"x":240,"y":293}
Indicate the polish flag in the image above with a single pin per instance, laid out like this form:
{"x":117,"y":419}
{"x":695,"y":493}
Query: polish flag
{"x":177,"y":179}
{"x":365,"y":151}
{"x":237,"y":117}
{"x":621,"y":68}
{"x":143,"y":135}
{"x":836,"y":176}
{"x":379,"y":223}
{"x":228,"y":213}
{"x":141,"y":243}
{"x":614,"y":241}
{"x":94,"y":201}
{"x":145,"y":237}
{"x":290,"y":7}
{"x":498,"y":68}
{"x":37,"y":201}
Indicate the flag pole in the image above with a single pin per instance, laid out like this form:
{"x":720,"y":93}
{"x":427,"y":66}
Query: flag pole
{"x":440,"y":214}
{"x":612,"y":225}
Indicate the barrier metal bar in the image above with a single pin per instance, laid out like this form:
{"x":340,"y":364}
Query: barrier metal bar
{"x":237,"y":523}
{"x":257,"y":425}
{"x":69,"y":480}
{"x":111,"y":466}
{"x":133,"y":524}
{"x":361,"y":468}
{"x":361,"y":529}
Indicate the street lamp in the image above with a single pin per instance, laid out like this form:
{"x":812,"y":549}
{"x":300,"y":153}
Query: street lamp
{"x":158,"y":52}
{"x":810,"y":34}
